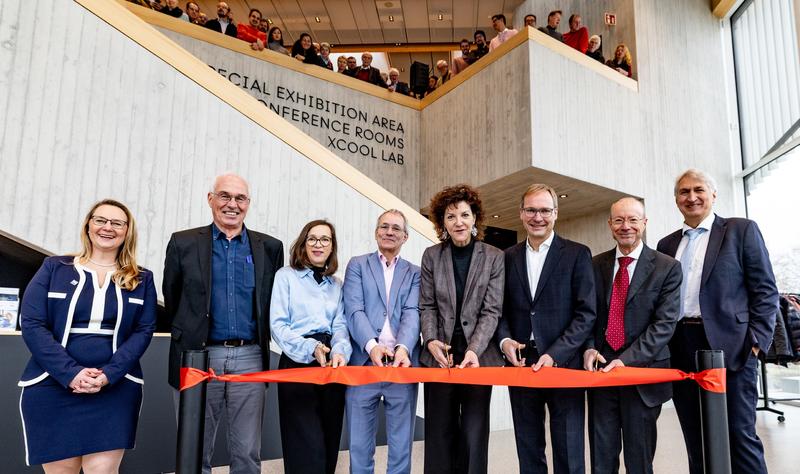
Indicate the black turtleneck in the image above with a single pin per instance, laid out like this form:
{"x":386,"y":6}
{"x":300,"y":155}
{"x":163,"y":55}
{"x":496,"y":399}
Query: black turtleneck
{"x":462,"y":256}
{"x":318,"y":273}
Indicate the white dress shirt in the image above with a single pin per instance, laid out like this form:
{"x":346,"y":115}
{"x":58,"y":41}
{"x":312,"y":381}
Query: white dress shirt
{"x":635,"y":254}
{"x":534,"y":261}
{"x":387,"y":337}
{"x":691,"y":298}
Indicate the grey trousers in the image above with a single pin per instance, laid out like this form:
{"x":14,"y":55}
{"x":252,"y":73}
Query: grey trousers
{"x":242,"y":403}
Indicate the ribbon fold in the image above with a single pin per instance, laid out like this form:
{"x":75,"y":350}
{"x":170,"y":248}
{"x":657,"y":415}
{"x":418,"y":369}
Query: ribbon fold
{"x":712,"y":380}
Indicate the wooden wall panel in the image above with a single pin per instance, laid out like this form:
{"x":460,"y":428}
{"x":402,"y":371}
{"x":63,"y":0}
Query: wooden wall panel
{"x":399,"y":179}
{"x":94,"y":115}
{"x":479,"y":131}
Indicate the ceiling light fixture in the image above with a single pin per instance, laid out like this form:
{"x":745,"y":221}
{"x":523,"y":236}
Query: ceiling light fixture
{"x":391,"y":18}
{"x":316,"y":18}
{"x":496,"y":216}
{"x":440,"y":17}
{"x":397,"y":44}
{"x":563,"y":196}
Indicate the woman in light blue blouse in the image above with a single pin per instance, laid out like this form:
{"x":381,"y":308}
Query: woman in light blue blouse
{"x":308,"y":323}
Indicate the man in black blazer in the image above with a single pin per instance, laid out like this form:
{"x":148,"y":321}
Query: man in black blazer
{"x":222,"y":23}
{"x":217,"y":290}
{"x":638,"y":303}
{"x":729,"y":303}
{"x":548,"y":314}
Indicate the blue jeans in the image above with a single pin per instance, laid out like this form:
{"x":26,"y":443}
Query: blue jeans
{"x":400,"y":402}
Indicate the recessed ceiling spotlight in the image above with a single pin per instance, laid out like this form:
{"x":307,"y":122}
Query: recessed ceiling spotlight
{"x":391,"y":17}
{"x":563,"y":196}
{"x":316,"y":18}
{"x":495,"y":216}
{"x":440,"y":17}
{"x":397,"y":44}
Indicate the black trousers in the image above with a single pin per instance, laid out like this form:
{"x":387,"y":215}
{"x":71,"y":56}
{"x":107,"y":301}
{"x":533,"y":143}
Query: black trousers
{"x":617,"y":416}
{"x":567,"y":411}
{"x":456,"y":428}
{"x":747,"y":451}
{"x":311,"y":423}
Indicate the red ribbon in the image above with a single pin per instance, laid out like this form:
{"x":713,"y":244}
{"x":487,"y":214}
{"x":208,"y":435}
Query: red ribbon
{"x":712,"y":380}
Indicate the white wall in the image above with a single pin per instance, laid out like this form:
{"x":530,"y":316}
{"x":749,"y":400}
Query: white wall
{"x":93,"y":115}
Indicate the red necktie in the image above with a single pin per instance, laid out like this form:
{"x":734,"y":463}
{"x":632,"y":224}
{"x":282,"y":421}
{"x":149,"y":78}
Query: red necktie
{"x":615,"y":333}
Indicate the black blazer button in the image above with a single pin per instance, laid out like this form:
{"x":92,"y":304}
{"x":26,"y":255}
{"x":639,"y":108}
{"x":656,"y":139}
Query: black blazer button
{"x":464,"y":323}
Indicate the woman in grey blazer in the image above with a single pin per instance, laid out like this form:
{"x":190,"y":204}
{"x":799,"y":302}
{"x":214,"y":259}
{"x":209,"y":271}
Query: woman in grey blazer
{"x":461,"y":295}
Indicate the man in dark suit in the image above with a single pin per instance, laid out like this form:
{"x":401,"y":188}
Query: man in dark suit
{"x":548,"y":314}
{"x":638,"y":302}
{"x":729,"y":303}
{"x":222,"y":23}
{"x":367,"y":73}
{"x":217,"y":289}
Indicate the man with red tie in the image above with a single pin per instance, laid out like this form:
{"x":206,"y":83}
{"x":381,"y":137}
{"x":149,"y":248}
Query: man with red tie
{"x":638,"y":304}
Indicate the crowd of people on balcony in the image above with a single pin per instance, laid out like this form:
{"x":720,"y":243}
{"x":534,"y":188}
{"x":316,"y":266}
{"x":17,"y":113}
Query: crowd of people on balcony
{"x":258,"y":33}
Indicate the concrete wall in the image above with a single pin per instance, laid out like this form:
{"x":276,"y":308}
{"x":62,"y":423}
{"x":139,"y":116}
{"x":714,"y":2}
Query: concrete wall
{"x":94,"y":115}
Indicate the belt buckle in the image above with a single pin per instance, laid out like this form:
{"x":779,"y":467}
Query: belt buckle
{"x":233,"y":343}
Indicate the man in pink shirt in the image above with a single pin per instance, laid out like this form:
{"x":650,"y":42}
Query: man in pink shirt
{"x":381,"y":303}
{"x":503,"y":33}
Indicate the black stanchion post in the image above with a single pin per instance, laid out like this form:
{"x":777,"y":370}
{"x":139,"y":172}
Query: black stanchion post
{"x":714,"y":417}
{"x":191,"y":418}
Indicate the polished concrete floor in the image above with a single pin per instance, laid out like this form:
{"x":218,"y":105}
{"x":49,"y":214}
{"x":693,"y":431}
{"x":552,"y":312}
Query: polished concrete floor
{"x":781,"y":442}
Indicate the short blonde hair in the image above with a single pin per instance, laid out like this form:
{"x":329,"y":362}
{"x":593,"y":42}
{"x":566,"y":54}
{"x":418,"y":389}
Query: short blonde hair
{"x":536,"y":188}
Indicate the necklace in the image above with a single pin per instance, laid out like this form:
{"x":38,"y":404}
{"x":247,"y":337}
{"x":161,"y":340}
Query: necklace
{"x":104,"y":264}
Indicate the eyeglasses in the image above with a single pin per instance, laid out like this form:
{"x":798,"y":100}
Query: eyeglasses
{"x":633,"y":221}
{"x":545,"y":212}
{"x":100,"y":221}
{"x":226,"y":198}
{"x":394,"y":228}
{"x":323,"y":241}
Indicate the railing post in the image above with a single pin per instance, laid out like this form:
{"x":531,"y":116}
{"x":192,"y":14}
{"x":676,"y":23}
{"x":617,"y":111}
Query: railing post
{"x":191,"y":418}
{"x":714,"y":419}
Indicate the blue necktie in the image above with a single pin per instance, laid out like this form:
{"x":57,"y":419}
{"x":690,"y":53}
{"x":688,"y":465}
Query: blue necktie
{"x":686,"y":259}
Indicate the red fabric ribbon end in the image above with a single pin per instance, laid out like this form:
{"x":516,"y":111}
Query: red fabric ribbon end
{"x":712,"y":380}
{"x":191,"y":377}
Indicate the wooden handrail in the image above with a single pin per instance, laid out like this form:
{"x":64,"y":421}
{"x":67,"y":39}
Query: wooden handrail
{"x":127,"y":23}
{"x":239,"y":46}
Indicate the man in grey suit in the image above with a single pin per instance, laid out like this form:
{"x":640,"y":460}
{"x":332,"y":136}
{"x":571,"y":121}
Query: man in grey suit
{"x":381,"y":299}
{"x":638,"y":303}
{"x":217,"y":290}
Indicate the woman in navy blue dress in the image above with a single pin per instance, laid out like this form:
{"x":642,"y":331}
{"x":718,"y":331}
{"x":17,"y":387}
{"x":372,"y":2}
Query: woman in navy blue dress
{"x":87,"y":320}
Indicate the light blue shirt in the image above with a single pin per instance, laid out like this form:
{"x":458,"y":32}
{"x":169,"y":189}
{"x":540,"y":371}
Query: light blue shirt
{"x":300,"y":307}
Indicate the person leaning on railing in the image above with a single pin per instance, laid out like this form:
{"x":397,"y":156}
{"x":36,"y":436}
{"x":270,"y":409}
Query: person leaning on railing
{"x":303,"y":50}
{"x":87,"y":320}
{"x":621,"y":62}
{"x":250,"y":32}
{"x":594,"y":50}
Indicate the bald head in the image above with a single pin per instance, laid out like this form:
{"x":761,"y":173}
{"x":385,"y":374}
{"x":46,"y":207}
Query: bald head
{"x":627,"y":222}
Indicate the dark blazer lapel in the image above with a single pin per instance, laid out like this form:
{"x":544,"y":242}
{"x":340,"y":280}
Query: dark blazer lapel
{"x":204,"y":237}
{"x":446,"y":264}
{"x":550,"y":264}
{"x":257,"y":250}
{"x":607,"y":271}
{"x":718,"y":229}
{"x":643,"y":268}
{"x":475,"y":267}
{"x":520,"y":262}
{"x":376,"y":267}
{"x":397,"y":281}
{"x":673,"y":242}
